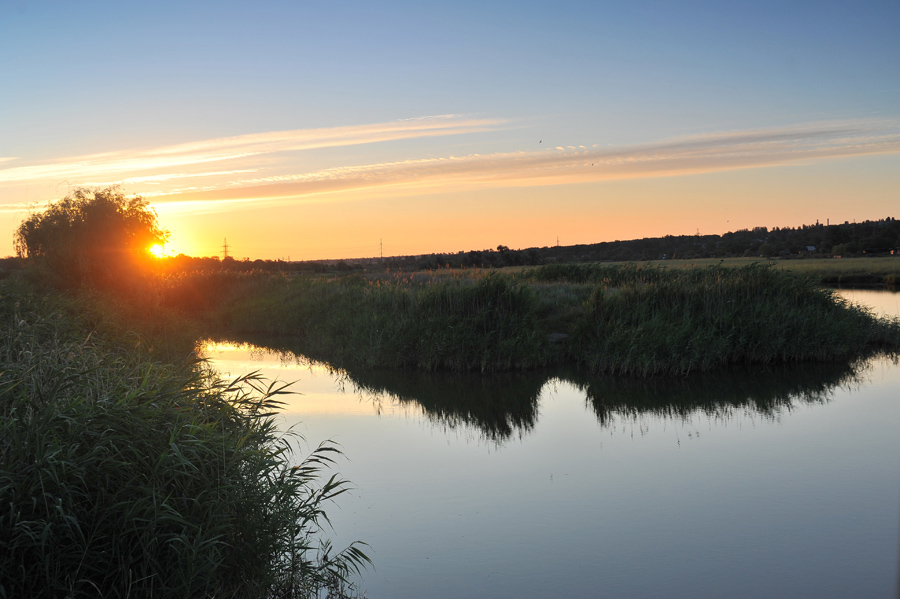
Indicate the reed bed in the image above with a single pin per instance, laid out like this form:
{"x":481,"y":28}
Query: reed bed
{"x":124,"y":476}
{"x":633,"y":319}
{"x":648,"y":321}
{"x":484,"y":322}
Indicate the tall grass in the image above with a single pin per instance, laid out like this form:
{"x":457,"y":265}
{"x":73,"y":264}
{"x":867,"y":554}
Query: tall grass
{"x":634,"y":320}
{"x":653,"y":321}
{"x":485,"y":323}
{"x":122,"y":476}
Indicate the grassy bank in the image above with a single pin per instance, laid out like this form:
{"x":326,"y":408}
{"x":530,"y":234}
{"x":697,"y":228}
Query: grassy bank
{"x":868,"y":271}
{"x":634,"y":320}
{"x":126,"y":471}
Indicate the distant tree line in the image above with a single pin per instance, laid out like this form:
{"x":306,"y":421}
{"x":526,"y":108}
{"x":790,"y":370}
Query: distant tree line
{"x":183,"y":263}
{"x":846,"y":239}
{"x":101,"y":237}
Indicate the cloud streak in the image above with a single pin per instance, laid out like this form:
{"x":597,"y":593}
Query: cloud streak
{"x":138,"y":163}
{"x":258,"y":169}
{"x":681,"y":156}
{"x":151,"y":179}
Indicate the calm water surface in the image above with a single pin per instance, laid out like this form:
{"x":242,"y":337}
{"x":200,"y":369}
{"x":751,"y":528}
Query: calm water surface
{"x":780,"y":482}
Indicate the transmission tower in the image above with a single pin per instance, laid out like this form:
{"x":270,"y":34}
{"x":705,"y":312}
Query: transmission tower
{"x":225,"y":248}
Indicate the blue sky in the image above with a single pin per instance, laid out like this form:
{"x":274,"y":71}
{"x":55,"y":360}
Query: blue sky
{"x":515,"y":81}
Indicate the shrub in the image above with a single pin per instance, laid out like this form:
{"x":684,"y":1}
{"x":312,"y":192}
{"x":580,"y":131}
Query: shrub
{"x":92,"y":238}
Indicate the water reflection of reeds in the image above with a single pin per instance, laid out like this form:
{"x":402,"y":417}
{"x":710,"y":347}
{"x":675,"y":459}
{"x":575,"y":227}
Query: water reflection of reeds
{"x":504,"y":405}
{"x":499,"y":406}
{"x":763,"y":390}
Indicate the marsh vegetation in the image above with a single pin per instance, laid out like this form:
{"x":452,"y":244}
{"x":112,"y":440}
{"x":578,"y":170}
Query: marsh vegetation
{"x":128,"y":468}
{"x":632,"y":320}
{"x":124,"y":475}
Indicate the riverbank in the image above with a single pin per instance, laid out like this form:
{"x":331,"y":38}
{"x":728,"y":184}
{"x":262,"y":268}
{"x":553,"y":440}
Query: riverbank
{"x":128,"y":468}
{"x":637,"y":320}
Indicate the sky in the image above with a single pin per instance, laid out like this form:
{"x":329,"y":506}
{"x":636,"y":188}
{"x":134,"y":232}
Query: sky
{"x":309,"y":130}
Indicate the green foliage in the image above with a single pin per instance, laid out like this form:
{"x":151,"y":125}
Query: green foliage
{"x":634,"y":320}
{"x":678,"y":321}
{"x":125,"y":477}
{"x":462,"y":323}
{"x":843,"y":249}
{"x":92,"y":238}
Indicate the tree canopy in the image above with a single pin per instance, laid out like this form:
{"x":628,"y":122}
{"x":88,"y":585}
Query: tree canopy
{"x":92,"y":238}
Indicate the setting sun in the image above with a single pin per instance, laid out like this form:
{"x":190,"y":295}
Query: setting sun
{"x":157,"y":250}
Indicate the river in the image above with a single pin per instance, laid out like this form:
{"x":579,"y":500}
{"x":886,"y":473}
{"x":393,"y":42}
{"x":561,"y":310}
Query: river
{"x":764,"y":482}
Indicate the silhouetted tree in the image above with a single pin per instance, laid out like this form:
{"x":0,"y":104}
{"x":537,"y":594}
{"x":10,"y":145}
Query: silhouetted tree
{"x":92,"y":238}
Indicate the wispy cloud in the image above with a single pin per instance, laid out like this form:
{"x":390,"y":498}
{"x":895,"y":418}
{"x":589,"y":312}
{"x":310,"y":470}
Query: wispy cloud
{"x":307,"y":139}
{"x":150,"y":179}
{"x":674,"y":157}
{"x":136,"y":164}
{"x":181,"y":182}
{"x":88,"y":167}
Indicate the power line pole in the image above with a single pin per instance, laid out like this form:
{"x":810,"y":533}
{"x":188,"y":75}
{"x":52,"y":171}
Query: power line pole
{"x":381,"y":249}
{"x":225,"y":249}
